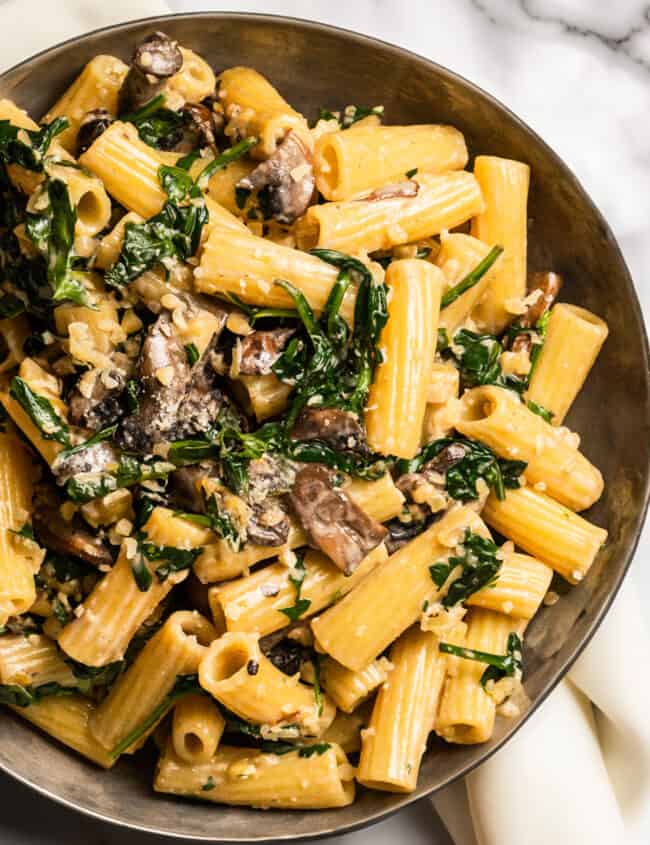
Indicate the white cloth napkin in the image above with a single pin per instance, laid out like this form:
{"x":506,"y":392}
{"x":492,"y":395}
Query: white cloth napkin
{"x":579,"y":769}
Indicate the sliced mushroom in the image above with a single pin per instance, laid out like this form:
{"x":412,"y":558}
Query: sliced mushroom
{"x":259,"y":350}
{"x":548,"y":284}
{"x":445,"y":459}
{"x":201,"y":122}
{"x":184,"y":483}
{"x":288,"y":176}
{"x":286,"y":655}
{"x":270,"y":475}
{"x":268,"y":524}
{"x":400,"y":533}
{"x":203,"y":398}
{"x":156,"y":59}
{"x":164,"y":376}
{"x":408,"y":188}
{"x":332,"y":521}
{"x":417,"y":486}
{"x":340,"y":429}
{"x":97,"y":458}
{"x":103,"y":406}
{"x":66,"y":538}
{"x":91,"y":127}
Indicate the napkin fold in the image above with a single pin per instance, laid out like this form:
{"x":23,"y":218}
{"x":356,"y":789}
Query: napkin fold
{"x":579,"y":769}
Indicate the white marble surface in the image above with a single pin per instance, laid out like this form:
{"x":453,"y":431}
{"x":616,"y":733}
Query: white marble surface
{"x":578,"y":72}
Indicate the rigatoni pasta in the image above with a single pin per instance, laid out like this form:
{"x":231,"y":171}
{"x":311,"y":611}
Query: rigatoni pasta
{"x":504,"y":220}
{"x":253,"y":370}
{"x":419,"y":208}
{"x":397,"y":398}
{"x":574,"y":337}
{"x":350,"y":162}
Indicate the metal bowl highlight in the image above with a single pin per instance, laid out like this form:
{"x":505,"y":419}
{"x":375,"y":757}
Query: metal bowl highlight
{"x":315,"y":65}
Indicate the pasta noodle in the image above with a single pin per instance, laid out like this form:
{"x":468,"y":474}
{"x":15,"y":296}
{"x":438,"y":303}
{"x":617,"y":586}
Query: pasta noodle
{"x":348,"y":163}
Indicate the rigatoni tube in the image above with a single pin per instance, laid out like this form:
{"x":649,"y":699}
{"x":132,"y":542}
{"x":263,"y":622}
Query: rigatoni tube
{"x":129,"y":170}
{"x":176,"y":649}
{"x":197,"y":727}
{"x":33,"y":661}
{"x":467,"y":712}
{"x":247,"y":266}
{"x":20,"y":557}
{"x":546,"y":529}
{"x":355,"y":160}
{"x":112,"y":614}
{"x":442,"y":201}
{"x":96,"y":87}
{"x":357,"y":629}
{"x":497,"y":418}
{"x":347,"y":688}
{"x":520,"y":587}
{"x":255,"y":602}
{"x":254,"y":108}
{"x":393,"y":744}
{"x":504,"y":220}
{"x":398,"y":394}
{"x":245,"y":776}
{"x":574,"y":337}
{"x":66,"y":719}
{"x":239,"y":676}
{"x":460,"y":254}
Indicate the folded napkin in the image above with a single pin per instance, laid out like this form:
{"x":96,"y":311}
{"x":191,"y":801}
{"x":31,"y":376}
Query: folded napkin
{"x":579,"y":770}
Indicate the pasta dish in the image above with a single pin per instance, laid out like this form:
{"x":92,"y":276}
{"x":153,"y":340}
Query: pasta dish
{"x":284,"y":468}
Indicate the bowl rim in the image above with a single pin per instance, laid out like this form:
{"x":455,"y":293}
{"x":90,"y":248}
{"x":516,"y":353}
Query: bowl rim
{"x":406,"y":799}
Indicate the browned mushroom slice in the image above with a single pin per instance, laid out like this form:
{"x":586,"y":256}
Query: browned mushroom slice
{"x":259,"y":350}
{"x":270,"y":475}
{"x":548,"y":284}
{"x":67,"y":538}
{"x":201,"y":124}
{"x":445,"y":459}
{"x":408,"y":188}
{"x":289,"y":177}
{"x":164,"y":376}
{"x":184,"y":483}
{"x":268,"y":524}
{"x":103,"y":406}
{"x":96,"y":458}
{"x":203,"y":399}
{"x":332,"y":521}
{"x":91,"y":127}
{"x":340,"y":429}
{"x":156,"y":59}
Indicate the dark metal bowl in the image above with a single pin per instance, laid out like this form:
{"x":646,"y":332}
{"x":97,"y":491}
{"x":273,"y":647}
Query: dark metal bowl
{"x":315,"y":65}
